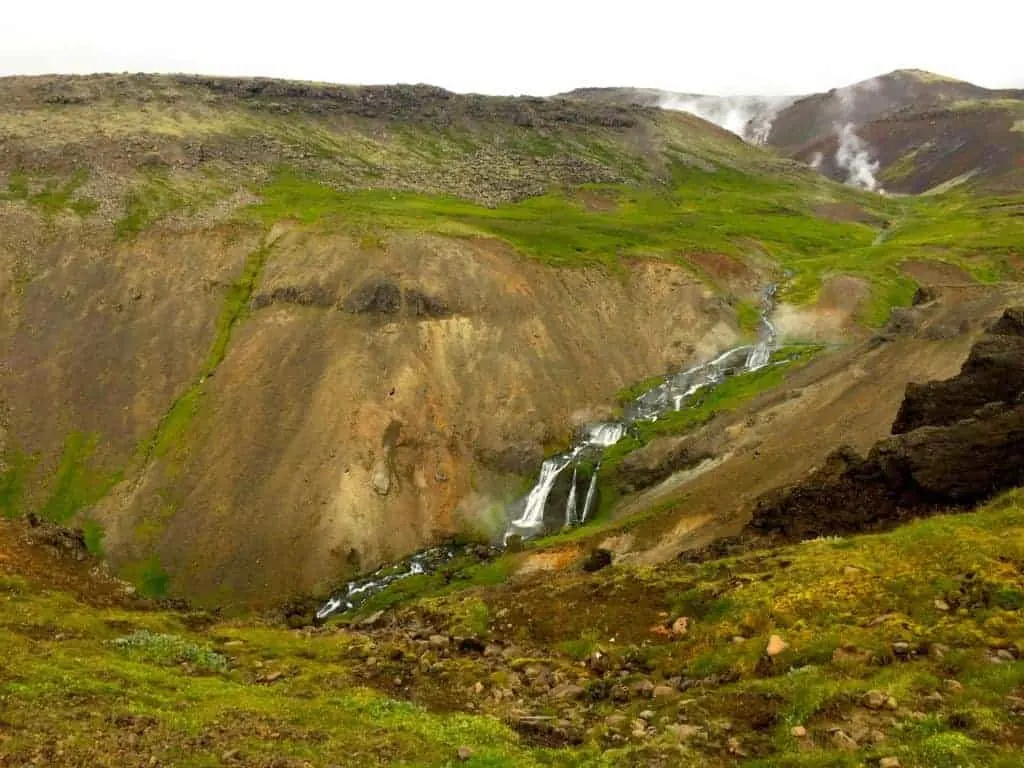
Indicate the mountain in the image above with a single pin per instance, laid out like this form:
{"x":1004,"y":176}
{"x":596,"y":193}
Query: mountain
{"x":259,"y":336}
{"x":915,"y":130}
{"x":287,"y":371}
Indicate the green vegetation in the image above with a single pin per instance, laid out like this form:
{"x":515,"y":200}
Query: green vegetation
{"x":54,"y":197}
{"x":172,"y":431}
{"x":919,"y":615}
{"x":169,"y":650}
{"x":15,"y":469}
{"x":78,"y":483}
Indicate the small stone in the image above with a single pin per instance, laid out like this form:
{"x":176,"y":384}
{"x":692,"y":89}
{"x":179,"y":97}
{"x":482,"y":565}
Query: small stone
{"x":680,"y":626}
{"x":901,"y":649}
{"x":874,"y":699}
{"x":1005,"y":655}
{"x":615,"y":720}
{"x":938,"y":650}
{"x":478,"y":687}
{"x":798,"y":731}
{"x":685,"y":731}
{"x":567,"y":691}
{"x":876,"y":736}
{"x":739,"y":639}
{"x":464,"y":753}
{"x":889,"y":762}
{"x":620,"y":694}
{"x":733,"y":745}
{"x":941,"y":605}
{"x":953,"y":685}
{"x":664,"y":692}
{"x":850,"y":570}
{"x":891,"y":703}
{"x":273,"y":677}
{"x":647,"y":715}
{"x":842,"y":740}
{"x":644,"y":688}
{"x":230,"y":755}
{"x":776,"y":645}
{"x":933,"y":700}
{"x":438,"y":641}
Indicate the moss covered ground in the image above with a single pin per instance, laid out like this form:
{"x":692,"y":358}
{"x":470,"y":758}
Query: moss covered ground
{"x":903,"y":644}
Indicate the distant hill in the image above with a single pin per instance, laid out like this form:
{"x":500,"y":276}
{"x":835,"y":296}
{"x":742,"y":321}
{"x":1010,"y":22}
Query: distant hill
{"x":906,"y":131}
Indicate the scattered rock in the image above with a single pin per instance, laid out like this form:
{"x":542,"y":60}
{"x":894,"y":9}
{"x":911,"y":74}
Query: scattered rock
{"x":647,"y":715}
{"x":464,"y":753}
{"x":620,"y":694}
{"x":439,"y":641}
{"x":664,"y":692}
{"x":941,"y":605}
{"x":889,"y":762}
{"x":901,"y":649}
{"x":644,"y":688}
{"x":685,"y":731}
{"x":567,"y":691}
{"x":842,"y":740}
{"x":953,"y":685}
{"x":734,"y":747}
{"x":851,"y":570}
{"x":874,"y":699}
{"x":680,"y":626}
{"x":798,"y":731}
{"x":597,"y":559}
{"x":776,"y":645}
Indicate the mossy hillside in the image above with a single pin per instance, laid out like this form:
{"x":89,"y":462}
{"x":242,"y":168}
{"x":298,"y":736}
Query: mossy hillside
{"x":92,"y":684}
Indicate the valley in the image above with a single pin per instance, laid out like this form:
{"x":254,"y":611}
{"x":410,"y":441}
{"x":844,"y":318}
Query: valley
{"x":259,"y":338}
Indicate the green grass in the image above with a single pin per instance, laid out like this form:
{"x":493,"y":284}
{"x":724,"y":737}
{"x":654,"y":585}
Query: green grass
{"x":704,"y":211}
{"x":78,"y":483}
{"x":14,"y":479}
{"x":55,"y":196}
{"x":85,"y":676}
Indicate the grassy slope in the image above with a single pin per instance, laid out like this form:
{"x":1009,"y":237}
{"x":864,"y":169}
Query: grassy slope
{"x":116,"y":687}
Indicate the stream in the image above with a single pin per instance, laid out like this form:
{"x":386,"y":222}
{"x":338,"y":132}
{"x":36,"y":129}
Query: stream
{"x":527,"y":515}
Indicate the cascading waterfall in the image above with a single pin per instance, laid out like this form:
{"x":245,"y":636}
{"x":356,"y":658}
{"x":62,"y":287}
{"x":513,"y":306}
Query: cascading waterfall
{"x":588,"y":502}
{"x":672,"y":394}
{"x":570,"y":505}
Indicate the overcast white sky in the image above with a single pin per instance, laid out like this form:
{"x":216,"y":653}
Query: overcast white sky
{"x":523,"y":46}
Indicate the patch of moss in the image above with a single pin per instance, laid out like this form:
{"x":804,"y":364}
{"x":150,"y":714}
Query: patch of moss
{"x":78,"y":482}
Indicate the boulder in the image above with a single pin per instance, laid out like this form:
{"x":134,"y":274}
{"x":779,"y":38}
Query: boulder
{"x":597,"y":559}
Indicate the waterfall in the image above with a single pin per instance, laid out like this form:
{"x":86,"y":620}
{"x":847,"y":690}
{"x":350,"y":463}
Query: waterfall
{"x":671,"y":394}
{"x":590,"y":494}
{"x":532,"y":519}
{"x":570,"y":505}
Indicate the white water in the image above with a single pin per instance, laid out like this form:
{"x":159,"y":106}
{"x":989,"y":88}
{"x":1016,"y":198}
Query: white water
{"x":570,"y":505}
{"x":671,"y":395}
{"x":590,"y":494}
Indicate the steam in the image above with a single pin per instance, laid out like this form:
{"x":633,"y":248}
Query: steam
{"x":816,"y":159}
{"x":854,"y":156}
{"x":749,"y":117}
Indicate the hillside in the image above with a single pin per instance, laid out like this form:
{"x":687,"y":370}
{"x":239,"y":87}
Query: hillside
{"x":843,"y":652}
{"x":260,"y":335}
{"x":921,"y":129}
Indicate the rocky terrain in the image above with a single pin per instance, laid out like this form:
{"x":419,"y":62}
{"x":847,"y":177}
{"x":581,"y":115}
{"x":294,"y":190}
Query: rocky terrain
{"x":257,"y":337}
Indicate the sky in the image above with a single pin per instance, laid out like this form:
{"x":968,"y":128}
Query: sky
{"x":539,"y":47}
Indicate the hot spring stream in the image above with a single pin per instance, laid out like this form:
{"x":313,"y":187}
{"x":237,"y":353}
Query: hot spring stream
{"x":526,"y":515}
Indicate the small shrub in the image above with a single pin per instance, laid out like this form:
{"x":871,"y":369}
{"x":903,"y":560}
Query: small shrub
{"x":170,"y":649}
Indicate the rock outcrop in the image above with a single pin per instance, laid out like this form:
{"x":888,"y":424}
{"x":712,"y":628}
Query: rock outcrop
{"x":954,"y":443}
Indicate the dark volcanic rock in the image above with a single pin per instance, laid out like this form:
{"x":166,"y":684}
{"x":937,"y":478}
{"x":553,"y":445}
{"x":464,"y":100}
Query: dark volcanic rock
{"x":419,"y":304}
{"x":597,"y":559}
{"x":957,"y":442}
{"x":377,"y":296}
{"x":311,"y":295}
{"x":994,"y":371}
